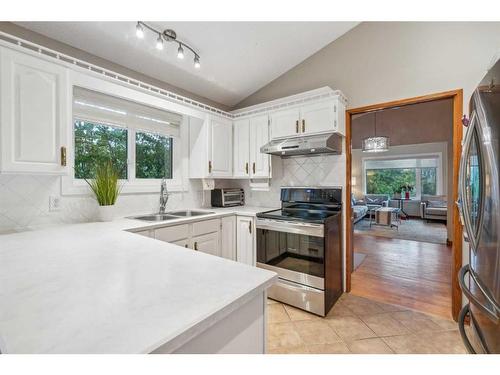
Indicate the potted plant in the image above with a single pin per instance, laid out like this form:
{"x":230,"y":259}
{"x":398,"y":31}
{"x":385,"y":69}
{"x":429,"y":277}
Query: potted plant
{"x":397,"y":193}
{"x":105,"y":188}
{"x":407,"y":188}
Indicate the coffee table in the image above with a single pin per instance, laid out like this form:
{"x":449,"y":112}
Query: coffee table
{"x":386,"y":216}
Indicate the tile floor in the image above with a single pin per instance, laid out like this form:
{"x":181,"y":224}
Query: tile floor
{"x":361,"y":326}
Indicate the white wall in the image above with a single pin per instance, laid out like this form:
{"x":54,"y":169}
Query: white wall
{"x":381,"y":61}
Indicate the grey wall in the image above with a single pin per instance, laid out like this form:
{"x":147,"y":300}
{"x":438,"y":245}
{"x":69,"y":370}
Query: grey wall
{"x":381,"y":61}
{"x":42,"y":40}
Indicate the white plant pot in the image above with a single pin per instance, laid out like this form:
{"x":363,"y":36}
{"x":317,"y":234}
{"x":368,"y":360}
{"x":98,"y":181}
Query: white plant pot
{"x":106,"y":213}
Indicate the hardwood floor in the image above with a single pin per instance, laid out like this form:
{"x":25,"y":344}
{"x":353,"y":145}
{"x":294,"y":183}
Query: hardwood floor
{"x":413,"y":274}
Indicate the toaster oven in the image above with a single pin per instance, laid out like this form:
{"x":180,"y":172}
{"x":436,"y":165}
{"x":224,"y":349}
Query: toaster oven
{"x":228,"y":197}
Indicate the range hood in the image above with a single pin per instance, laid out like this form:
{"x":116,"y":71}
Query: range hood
{"x":306,"y":145}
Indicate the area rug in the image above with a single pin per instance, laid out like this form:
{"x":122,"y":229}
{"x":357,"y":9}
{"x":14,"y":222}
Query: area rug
{"x":358,"y":258}
{"x":413,"y":229}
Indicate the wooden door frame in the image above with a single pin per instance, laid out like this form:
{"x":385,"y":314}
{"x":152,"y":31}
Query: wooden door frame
{"x":457,"y":98}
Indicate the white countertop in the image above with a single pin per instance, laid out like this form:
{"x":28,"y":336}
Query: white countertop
{"x":96,"y":288}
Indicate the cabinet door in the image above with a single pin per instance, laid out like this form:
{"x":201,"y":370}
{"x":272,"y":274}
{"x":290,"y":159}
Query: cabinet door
{"x":245,"y":230}
{"x":34,"y":114}
{"x":285,"y":123}
{"x":228,"y":237}
{"x":241,"y":160}
{"x":207,"y":243}
{"x":172,"y":234}
{"x":221,"y":148}
{"x":259,"y":136}
{"x":318,"y":117}
{"x":184,"y":242}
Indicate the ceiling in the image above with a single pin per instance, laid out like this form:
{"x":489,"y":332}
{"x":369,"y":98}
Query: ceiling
{"x":237,"y":58}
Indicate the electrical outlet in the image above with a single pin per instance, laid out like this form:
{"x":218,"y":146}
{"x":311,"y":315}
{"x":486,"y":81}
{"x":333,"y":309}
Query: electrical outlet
{"x":54,"y":203}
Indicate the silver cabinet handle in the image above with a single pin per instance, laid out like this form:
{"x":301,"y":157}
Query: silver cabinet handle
{"x":491,"y":313}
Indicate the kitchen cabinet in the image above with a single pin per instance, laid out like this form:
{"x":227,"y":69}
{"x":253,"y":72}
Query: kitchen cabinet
{"x":325,"y":116}
{"x":210,"y":148}
{"x":285,"y":123}
{"x":245,"y":233}
{"x":249,"y":136}
{"x":35,"y":102}
{"x":241,"y":156}
{"x":228,"y":237}
{"x":207,"y":243}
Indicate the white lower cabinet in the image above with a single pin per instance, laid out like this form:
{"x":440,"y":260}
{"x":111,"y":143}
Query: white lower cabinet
{"x":245,"y":233}
{"x":228,"y":237}
{"x":207,"y":243}
{"x":231,"y":237}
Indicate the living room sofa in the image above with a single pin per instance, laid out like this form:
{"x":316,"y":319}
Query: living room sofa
{"x":360,"y":208}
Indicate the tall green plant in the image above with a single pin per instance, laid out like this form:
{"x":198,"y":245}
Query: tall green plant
{"x":105,"y":184}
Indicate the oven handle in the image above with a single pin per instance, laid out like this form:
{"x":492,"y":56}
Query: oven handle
{"x":315,"y":230}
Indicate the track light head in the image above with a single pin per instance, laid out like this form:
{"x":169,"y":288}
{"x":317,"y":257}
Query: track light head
{"x":159,"y":42}
{"x":180,"y":52}
{"x":139,"y":31}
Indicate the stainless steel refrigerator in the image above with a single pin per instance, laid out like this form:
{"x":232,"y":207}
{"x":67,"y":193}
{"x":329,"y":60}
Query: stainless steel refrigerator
{"x":479,"y":201}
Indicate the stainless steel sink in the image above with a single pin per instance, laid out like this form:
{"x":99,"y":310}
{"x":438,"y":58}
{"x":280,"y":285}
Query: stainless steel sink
{"x":155,"y":217}
{"x":171,"y":215}
{"x":188,"y":213}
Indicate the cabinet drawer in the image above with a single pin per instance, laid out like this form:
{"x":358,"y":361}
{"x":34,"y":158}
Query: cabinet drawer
{"x":204,"y":227}
{"x":184,"y":242}
{"x":172,"y":234}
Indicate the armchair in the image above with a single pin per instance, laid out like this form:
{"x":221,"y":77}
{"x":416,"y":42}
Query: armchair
{"x":434,"y":207}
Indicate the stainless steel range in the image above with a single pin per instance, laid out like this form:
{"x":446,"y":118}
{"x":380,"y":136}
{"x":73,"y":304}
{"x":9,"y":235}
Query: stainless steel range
{"x":302,"y":242}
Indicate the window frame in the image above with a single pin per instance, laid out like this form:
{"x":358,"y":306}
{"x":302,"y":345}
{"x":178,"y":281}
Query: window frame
{"x":180,"y":182}
{"x":440,"y":171}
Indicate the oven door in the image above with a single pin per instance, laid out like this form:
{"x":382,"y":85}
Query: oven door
{"x":296,"y":251}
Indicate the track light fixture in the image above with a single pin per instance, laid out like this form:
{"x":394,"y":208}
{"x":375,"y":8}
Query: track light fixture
{"x":167,"y":35}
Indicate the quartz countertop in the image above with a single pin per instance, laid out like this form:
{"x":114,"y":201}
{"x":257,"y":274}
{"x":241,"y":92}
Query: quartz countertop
{"x":97,"y":288}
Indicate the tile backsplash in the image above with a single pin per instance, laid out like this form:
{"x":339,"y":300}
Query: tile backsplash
{"x":24,"y":199}
{"x":24,"y":203}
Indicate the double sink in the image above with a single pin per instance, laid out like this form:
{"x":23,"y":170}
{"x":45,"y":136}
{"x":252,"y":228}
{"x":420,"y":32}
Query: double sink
{"x":172,"y":215}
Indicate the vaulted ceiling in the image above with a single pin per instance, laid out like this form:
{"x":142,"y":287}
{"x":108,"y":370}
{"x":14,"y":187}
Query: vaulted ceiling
{"x":237,"y":58}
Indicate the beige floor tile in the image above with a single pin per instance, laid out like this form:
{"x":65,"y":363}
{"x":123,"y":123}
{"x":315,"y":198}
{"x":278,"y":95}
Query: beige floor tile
{"x":387,"y":307}
{"x":298,"y":314}
{"x":369,"y":346}
{"x":335,"y":348}
{"x":362,"y":306}
{"x":271,"y":301}
{"x":339,"y":309}
{"x":416,"y":322}
{"x":316,"y":332}
{"x":350,"y":328}
{"x":276,"y":313}
{"x":289,"y":350}
{"x":409,"y":344}
{"x":447,"y":342}
{"x":445,"y":324}
{"x":384,"y":325}
{"x":283,"y":335}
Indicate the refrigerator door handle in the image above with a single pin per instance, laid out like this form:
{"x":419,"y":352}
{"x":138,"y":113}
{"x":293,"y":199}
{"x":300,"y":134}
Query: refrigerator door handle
{"x":491,"y":313}
{"x":462,"y":183}
{"x":461,"y":327}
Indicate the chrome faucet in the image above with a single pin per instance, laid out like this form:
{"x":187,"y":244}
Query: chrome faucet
{"x":163,"y":195}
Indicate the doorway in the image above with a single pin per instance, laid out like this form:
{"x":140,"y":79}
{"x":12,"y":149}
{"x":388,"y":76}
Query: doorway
{"x":454,"y":261}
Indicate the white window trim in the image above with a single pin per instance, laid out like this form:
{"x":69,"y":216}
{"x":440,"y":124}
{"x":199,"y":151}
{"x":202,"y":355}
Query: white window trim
{"x":440,"y":175}
{"x":180,"y":183}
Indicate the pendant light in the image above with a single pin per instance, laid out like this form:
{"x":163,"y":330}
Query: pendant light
{"x":375,"y":143}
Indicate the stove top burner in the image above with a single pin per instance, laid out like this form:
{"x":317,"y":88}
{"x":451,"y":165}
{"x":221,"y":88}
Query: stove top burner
{"x":305,"y":215}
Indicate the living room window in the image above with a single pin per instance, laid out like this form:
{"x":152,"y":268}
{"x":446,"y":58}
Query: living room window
{"x":387,"y":176}
{"x":142,"y":142}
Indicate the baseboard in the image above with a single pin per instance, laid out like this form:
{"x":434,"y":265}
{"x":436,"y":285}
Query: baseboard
{"x":449,"y":243}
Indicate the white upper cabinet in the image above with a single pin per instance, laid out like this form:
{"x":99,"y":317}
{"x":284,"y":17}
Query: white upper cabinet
{"x":249,"y":136}
{"x":34,"y":108}
{"x":241,"y":155}
{"x":210,"y":148}
{"x":316,"y":117}
{"x":285,"y":123}
{"x":259,"y":136}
